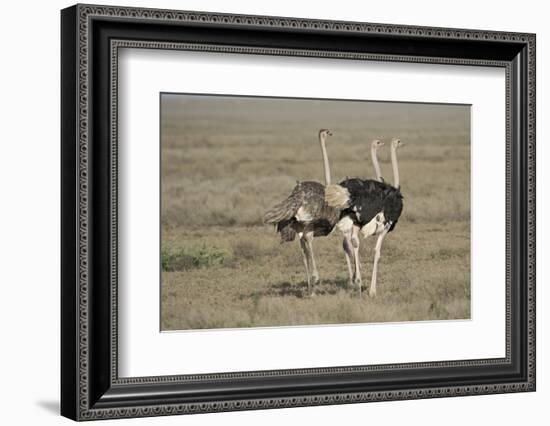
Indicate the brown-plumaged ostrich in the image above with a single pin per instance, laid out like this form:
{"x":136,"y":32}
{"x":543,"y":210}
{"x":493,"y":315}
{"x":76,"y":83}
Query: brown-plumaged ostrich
{"x":371,"y":206}
{"x":305,"y":212}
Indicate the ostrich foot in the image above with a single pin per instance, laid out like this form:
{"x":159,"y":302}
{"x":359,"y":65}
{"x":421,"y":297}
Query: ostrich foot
{"x":310,"y":294}
{"x":372,"y":293}
{"x":355,"y":284}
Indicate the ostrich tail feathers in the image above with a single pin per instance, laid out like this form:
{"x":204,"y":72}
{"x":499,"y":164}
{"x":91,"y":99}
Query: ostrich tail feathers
{"x":282,"y":211}
{"x":337,"y":196}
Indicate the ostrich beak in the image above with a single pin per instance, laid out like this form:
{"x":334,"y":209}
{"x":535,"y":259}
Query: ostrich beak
{"x":329,"y":133}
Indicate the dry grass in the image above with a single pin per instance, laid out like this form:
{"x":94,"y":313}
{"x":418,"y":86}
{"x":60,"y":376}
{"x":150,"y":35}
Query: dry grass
{"x":224,"y":163}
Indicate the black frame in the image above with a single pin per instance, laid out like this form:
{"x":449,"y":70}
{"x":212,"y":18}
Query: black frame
{"x":91,"y":37}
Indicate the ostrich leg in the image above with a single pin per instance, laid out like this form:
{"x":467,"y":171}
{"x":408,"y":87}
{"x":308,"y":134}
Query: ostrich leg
{"x":312,"y":265}
{"x":348,"y":251}
{"x":305,"y":254}
{"x":372,"y":290}
{"x":355,"y":243}
{"x":350,"y":258}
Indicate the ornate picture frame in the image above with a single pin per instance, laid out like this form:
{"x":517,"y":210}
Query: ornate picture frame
{"x":91,"y":38}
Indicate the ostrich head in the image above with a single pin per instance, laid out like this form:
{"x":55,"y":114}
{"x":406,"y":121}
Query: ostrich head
{"x":323,"y":133}
{"x":396,"y":143}
{"x":377,"y":143}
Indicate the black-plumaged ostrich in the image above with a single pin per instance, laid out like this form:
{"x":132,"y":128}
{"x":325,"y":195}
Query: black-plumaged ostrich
{"x":370,"y":206}
{"x":351,"y":233}
{"x":305,"y":212}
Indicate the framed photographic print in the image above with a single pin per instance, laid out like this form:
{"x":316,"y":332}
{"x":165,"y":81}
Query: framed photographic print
{"x":263,"y":212}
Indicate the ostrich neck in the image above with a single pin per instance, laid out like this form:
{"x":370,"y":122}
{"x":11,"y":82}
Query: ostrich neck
{"x":394,"y":167}
{"x":325,"y":159}
{"x":374,"y":157}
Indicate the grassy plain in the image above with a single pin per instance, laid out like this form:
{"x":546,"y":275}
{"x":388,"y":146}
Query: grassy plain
{"x":225,"y":161}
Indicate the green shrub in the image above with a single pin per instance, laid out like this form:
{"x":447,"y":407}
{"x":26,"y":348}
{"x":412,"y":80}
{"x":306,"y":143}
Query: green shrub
{"x":184,"y":259}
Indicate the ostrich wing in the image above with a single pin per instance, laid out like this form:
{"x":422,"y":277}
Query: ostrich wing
{"x":305,"y":202}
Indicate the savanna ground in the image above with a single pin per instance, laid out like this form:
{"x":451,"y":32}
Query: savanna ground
{"x":225,"y":161}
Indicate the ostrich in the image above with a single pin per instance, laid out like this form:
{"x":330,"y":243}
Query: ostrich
{"x":371,"y":206}
{"x":351,"y":240}
{"x":305,"y":212}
